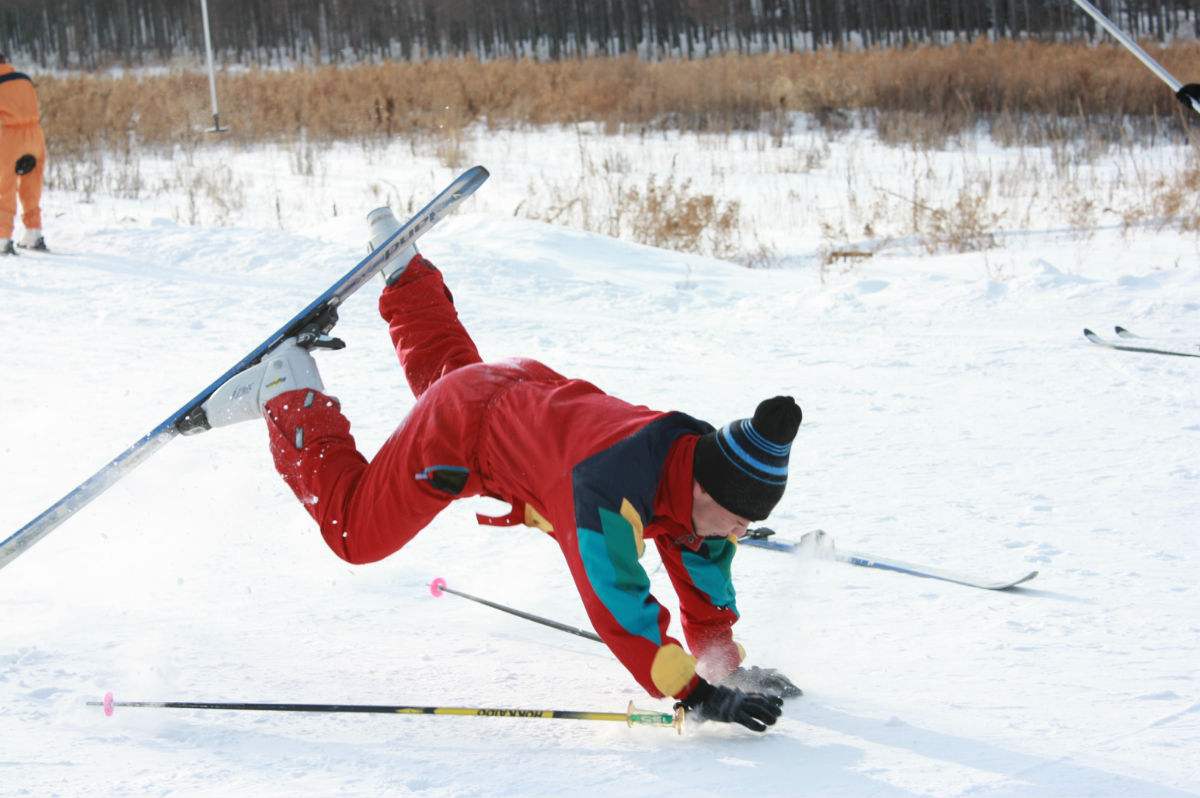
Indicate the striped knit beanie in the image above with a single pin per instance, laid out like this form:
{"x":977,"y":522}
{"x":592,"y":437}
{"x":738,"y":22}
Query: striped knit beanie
{"x":744,"y":464}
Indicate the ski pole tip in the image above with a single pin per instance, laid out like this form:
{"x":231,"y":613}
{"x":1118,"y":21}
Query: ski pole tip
{"x":437,"y":586}
{"x":108,"y":704}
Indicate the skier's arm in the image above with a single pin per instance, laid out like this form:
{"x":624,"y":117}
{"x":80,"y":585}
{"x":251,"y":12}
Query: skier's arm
{"x":707,"y":602}
{"x":616,"y":594}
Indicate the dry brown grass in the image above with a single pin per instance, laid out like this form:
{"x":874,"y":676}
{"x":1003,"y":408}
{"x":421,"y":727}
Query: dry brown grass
{"x":1078,"y":99}
{"x":1166,"y":201}
{"x":665,"y":212}
{"x":918,"y":95}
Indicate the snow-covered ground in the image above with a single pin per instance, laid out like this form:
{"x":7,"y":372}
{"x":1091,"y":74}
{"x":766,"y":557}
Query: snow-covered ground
{"x":954,"y":416}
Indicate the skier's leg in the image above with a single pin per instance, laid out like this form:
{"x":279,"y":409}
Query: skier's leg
{"x":8,"y":188}
{"x":429,"y":339}
{"x":29,"y":187}
{"x":368,"y":510}
{"x":317,"y":457}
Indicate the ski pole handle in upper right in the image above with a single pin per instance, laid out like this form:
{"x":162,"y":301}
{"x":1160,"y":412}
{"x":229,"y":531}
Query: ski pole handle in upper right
{"x":1189,"y":95}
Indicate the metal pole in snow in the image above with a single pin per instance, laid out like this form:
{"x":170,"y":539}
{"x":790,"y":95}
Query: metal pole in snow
{"x":438,"y":586}
{"x":212,"y":80}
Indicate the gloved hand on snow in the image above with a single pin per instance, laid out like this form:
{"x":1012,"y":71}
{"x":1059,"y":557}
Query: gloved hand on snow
{"x":729,"y":705}
{"x":767,"y":681}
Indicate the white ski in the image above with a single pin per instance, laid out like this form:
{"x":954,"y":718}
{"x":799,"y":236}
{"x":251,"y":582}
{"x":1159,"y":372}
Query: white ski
{"x":819,"y":545}
{"x":1127,"y":347}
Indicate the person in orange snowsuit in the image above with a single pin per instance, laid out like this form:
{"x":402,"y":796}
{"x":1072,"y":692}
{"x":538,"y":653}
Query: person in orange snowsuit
{"x":22,"y":159}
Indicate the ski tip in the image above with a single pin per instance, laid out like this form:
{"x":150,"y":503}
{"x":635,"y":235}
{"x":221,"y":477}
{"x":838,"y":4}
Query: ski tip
{"x":1022,"y":580}
{"x":1119,"y":330}
{"x":1091,"y":336}
{"x":437,"y":586}
{"x":108,"y":704}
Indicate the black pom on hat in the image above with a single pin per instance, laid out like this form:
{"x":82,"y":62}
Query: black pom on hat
{"x":744,"y":465}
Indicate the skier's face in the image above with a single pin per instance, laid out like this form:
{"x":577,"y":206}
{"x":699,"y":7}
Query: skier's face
{"x":711,"y":520}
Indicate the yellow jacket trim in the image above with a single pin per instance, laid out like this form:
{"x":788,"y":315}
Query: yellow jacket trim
{"x":672,"y":669}
{"x":635,"y":521}
{"x":536,"y":520}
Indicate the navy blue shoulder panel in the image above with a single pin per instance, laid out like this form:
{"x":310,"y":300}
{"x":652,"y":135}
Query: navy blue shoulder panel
{"x":14,"y":76}
{"x":629,"y":469}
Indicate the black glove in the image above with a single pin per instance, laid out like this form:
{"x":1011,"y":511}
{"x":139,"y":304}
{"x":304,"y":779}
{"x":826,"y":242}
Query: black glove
{"x":729,"y":705}
{"x":767,"y":681}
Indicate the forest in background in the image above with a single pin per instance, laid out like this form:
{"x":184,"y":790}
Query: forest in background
{"x":89,"y":34}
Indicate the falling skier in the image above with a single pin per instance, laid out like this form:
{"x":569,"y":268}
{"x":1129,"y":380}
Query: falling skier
{"x":597,"y":474}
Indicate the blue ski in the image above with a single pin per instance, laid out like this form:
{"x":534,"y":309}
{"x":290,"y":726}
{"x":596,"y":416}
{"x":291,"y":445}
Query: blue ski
{"x":820,"y":545}
{"x":312,"y":324}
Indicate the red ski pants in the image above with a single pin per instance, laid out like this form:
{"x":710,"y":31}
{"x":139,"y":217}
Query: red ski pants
{"x":368,"y":510}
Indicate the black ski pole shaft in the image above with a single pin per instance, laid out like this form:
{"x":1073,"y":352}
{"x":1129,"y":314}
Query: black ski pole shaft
{"x":631,"y":716}
{"x":438,"y":586}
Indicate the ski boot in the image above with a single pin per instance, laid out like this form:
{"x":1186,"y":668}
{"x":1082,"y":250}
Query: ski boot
{"x":6,"y":247}
{"x":382,"y":223}
{"x":288,"y":367}
{"x":33,"y":239}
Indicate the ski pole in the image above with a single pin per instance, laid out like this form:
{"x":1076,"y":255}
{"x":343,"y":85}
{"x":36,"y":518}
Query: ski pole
{"x":1189,"y":95}
{"x":632,"y":716}
{"x":438,"y":586}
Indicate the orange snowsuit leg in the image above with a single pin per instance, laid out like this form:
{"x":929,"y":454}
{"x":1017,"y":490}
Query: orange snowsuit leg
{"x":15,"y":142}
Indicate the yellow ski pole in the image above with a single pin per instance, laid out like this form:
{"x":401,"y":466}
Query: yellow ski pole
{"x":631,"y":717}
